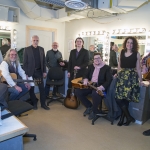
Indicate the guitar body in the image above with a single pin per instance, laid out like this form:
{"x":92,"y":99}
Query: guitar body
{"x":146,"y":76}
{"x":71,"y":102}
{"x":13,"y":75}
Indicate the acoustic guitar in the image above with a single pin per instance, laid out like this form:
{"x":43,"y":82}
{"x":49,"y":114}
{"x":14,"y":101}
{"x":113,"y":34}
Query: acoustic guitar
{"x":14,"y":77}
{"x":71,"y":100}
{"x":78,"y":83}
{"x":146,"y":76}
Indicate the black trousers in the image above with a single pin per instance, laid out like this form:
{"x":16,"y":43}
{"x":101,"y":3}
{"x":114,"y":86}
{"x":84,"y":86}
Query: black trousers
{"x":38,"y":75}
{"x":96,"y":98}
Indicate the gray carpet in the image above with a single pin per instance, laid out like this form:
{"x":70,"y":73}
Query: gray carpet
{"x":61,"y":128}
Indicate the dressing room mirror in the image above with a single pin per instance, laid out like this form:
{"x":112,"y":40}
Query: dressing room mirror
{"x":118,"y":40}
{"x":96,"y":41}
{"x":4,"y":34}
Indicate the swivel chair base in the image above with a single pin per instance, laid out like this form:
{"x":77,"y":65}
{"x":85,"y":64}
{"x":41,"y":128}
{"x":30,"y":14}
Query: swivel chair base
{"x":58,"y":99}
{"x":31,"y":135}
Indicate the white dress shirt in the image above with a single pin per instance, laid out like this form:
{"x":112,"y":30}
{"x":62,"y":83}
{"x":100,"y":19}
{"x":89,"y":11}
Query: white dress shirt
{"x":6,"y":74}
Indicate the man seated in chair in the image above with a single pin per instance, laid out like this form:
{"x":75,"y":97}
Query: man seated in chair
{"x":11,"y":64}
{"x":52,"y":58}
{"x":100,"y":74}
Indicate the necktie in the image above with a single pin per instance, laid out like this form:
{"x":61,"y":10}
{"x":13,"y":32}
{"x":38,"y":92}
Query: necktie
{"x":14,"y":66}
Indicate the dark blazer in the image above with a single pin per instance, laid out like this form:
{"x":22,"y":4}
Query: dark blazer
{"x":113,"y":59}
{"x":29,"y":63}
{"x":104,"y":77}
{"x":81,"y":61}
{"x":4,"y":49}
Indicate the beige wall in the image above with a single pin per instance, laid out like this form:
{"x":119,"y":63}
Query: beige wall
{"x":135,"y":19}
{"x":24,"y":20}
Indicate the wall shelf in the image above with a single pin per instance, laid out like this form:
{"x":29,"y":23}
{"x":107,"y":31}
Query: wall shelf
{"x":9,"y":14}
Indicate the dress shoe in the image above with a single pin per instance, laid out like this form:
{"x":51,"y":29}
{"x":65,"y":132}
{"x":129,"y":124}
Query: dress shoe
{"x":87,"y":111}
{"x":121,"y":121}
{"x":45,"y":107}
{"x":92,"y":115}
{"x":146,"y":133}
{"x":35,"y":107}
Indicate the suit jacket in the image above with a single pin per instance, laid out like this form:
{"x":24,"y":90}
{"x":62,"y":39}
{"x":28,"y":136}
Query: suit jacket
{"x":51,"y":58}
{"x":29,"y":63}
{"x":81,"y":61}
{"x":4,"y":49}
{"x":104,"y":77}
{"x":113,"y":59}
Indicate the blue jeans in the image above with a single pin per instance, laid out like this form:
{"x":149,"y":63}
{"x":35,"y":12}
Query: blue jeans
{"x":14,"y":94}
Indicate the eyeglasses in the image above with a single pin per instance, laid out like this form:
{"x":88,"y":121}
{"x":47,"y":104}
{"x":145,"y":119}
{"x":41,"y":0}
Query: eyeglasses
{"x":55,"y":45}
{"x":97,"y":58}
{"x":13,"y":54}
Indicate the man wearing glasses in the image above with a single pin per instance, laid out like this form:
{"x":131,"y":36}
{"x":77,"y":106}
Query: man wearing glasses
{"x":11,"y":64}
{"x":34,"y":66}
{"x":100,"y":74}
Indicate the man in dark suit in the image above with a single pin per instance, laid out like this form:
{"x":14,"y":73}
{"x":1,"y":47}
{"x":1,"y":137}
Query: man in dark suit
{"x":34,"y":65}
{"x":5,"y":47}
{"x":78,"y":60}
{"x":101,"y":75}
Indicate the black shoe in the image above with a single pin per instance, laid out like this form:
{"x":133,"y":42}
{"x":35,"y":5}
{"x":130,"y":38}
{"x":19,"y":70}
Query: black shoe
{"x":45,"y":107}
{"x":92,"y":116}
{"x":87,"y":111}
{"x":121,"y":121}
{"x":129,"y":118}
{"x":146,"y":133}
{"x":35,"y":107}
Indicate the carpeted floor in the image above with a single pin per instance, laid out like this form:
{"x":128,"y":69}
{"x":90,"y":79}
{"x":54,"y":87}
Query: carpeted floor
{"x":65,"y":129}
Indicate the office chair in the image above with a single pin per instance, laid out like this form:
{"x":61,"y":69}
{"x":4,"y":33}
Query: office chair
{"x":16,"y":107}
{"x":114,"y":111}
{"x":55,"y":77}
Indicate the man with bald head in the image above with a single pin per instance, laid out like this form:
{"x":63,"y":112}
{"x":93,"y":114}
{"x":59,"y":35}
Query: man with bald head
{"x":52,"y":58}
{"x":34,"y":65}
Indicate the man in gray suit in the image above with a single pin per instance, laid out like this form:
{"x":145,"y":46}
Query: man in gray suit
{"x":34,"y":65}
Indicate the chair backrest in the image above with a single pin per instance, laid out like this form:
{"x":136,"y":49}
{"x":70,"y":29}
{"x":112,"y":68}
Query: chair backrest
{"x":55,"y":73}
{"x":17,"y":107}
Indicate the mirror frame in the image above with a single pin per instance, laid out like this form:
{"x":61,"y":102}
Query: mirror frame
{"x":103,"y":40}
{"x":131,"y":32}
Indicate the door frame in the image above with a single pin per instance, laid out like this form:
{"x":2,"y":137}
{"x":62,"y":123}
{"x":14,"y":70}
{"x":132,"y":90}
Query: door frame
{"x":28,"y":28}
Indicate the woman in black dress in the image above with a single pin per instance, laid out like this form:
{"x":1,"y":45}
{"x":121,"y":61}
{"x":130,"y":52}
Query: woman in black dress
{"x":129,"y":77}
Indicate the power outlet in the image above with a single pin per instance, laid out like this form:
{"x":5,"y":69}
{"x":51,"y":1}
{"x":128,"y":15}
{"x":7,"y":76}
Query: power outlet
{"x":103,"y":4}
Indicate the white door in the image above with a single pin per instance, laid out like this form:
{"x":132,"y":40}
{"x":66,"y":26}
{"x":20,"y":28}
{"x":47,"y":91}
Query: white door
{"x":45,"y":38}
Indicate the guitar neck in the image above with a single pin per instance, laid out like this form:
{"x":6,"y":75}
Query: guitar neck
{"x":92,"y":86}
{"x":20,"y":80}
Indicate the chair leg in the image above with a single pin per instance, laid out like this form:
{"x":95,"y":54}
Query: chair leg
{"x":31,"y":135}
{"x":59,"y":100}
{"x":49,"y":102}
{"x":94,"y":119}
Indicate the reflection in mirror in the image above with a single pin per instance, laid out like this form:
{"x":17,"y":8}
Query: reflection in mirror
{"x":93,"y":44}
{"x":98,"y":44}
{"x":5,"y":37}
{"x":118,"y":40}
